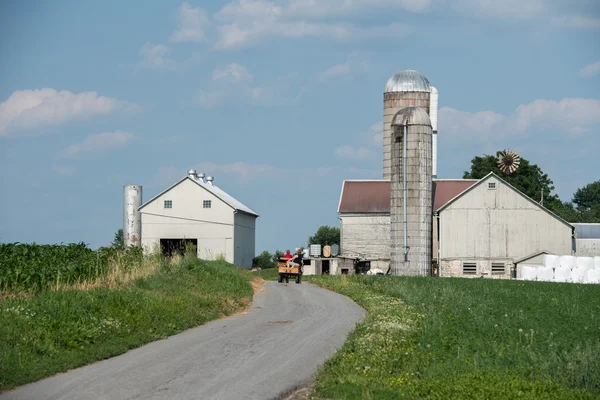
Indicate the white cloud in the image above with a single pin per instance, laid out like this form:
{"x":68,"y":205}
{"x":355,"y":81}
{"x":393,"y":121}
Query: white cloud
{"x":568,"y":117}
{"x":241,"y":170}
{"x":590,"y":71}
{"x":354,"y":153}
{"x":233,"y":84}
{"x":234,"y":72}
{"x":505,"y":9}
{"x":191,"y":24}
{"x":336,"y":71}
{"x":577,"y":22}
{"x":64,"y":170}
{"x":156,"y":56}
{"x":98,"y":143}
{"x":376,"y":133}
{"x":29,"y":109}
{"x":246,"y":22}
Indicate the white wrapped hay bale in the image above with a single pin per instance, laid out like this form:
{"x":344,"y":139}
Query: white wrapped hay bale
{"x":579,"y":275}
{"x":552,"y":261}
{"x":568,"y":262}
{"x":528,"y":272}
{"x":585,"y":262}
{"x":593,"y":276}
{"x":545,"y":273}
{"x":562,"y":274}
{"x":596,"y":262}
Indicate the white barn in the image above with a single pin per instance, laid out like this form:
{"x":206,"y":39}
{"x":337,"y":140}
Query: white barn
{"x":194,"y":210}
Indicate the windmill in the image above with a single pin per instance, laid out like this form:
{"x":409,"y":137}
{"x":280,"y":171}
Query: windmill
{"x":508,"y":161}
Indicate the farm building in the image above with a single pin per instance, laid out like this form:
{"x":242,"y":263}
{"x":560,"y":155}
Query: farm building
{"x":587,"y":242}
{"x":194,"y":210}
{"x":479,"y":227}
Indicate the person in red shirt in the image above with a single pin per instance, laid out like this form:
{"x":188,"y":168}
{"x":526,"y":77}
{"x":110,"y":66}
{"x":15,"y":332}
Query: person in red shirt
{"x":287,"y":255}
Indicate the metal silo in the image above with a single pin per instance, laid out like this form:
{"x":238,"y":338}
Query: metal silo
{"x":433,"y":114}
{"x":132,"y":220}
{"x":404,"y":89}
{"x":411,"y":202}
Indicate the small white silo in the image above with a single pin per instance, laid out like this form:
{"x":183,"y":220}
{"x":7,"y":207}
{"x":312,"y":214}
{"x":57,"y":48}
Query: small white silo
{"x":433,"y":115}
{"x":132,"y":219}
{"x":411,"y":201}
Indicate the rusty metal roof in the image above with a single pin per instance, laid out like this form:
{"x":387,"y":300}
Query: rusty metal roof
{"x":365,"y":197}
{"x":445,"y":190}
{"x":411,"y":116}
{"x":373,"y":196}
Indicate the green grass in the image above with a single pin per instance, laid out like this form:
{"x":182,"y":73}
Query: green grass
{"x":268,"y":274}
{"x":466,"y":338}
{"x":53,"y":331}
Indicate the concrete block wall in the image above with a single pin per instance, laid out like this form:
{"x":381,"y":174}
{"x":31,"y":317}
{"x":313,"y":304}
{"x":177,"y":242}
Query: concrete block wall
{"x":454,"y":268}
{"x":392,"y":103}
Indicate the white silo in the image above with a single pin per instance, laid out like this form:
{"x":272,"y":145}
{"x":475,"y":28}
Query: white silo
{"x":404,"y":89}
{"x":411,"y":202}
{"x":132,"y":220}
{"x":433,"y":115}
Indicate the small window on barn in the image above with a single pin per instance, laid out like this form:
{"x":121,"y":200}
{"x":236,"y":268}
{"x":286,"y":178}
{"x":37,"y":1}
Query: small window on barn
{"x":469,"y":269}
{"x":206,"y":203}
{"x":492,"y":185}
{"x":168,"y":203}
{"x":498,"y":269}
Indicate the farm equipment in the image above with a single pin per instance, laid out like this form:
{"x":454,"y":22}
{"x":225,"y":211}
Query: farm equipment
{"x":285,"y":272}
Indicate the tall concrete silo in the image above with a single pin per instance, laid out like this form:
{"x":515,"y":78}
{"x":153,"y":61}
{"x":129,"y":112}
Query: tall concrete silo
{"x":405,"y":88}
{"x":433,"y":115}
{"x":411,"y":202}
{"x":132,"y":220}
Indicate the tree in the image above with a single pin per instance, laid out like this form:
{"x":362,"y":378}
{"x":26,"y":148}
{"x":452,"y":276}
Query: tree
{"x":118,"y":240}
{"x":528,"y":178}
{"x":587,"y":201}
{"x":264,"y":260}
{"x":325,"y":235}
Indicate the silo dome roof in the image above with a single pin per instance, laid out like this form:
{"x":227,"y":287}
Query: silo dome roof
{"x":411,"y":116}
{"x":408,"y":80}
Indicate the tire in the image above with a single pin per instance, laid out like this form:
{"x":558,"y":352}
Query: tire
{"x":298,"y":279}
{"x":280,"y":278}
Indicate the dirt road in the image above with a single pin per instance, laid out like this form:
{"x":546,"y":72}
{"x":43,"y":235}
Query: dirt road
{"x":275,"y":346}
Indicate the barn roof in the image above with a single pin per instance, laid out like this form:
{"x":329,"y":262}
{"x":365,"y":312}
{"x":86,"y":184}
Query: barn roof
{"x":373,"y":196}
{"x":215,"y":190}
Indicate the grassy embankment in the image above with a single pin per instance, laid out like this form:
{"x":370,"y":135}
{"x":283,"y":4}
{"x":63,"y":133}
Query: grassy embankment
{"x":61,"y":316}
{"x":466,"y":339}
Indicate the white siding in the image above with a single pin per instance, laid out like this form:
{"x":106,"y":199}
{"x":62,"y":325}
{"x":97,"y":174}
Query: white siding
{"x":588,"y":247}
{"x":365,"y":235}
{"x":212,"y":227}
{"x":243,"y":241}
{"x":499,"y":224}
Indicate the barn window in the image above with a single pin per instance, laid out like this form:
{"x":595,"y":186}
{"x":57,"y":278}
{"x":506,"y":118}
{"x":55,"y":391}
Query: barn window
{"x":168,"y":203}
{"x":469,"y":269}
{"x":206,"y":203}
{"x":492,"y":185}
{"x":498,"y":269}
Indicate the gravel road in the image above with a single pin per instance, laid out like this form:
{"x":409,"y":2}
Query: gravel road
{"x":263,"y":353}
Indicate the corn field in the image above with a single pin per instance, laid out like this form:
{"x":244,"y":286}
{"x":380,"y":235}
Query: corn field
{"x":35,"y":267}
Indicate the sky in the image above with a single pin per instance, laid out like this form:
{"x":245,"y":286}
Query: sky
{"x":279,"y":100}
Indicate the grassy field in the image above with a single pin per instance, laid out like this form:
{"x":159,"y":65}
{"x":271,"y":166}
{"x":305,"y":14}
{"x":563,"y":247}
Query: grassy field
{"x":42,"y":333}
{"x":269,"y":274}
{"x":466,"y":339}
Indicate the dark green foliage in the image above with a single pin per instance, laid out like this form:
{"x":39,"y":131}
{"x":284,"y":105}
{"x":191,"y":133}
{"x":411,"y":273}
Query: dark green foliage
{"x":587,"y":200}
{"x":51,"y":331}
{"x":118,"y":240}
{"x":36,"y":267}
{"x":326,"y":235}
{"x":264,"y":260}
{"x":454,"y":338}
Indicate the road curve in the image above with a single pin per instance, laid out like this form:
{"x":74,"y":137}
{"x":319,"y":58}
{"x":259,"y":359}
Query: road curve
{"x":275,"y":346}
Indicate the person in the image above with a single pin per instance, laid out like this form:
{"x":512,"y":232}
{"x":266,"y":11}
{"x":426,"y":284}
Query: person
{"x":296,"y":261}
{"x":287,"y":254}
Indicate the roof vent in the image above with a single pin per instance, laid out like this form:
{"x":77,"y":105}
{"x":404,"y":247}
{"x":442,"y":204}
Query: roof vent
{"x":201,"y":177}
{"x":192,"y":173}
{"x":210,"y":179}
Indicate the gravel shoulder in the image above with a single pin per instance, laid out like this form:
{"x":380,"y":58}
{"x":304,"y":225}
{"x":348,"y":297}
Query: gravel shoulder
{"x":262,"y":353}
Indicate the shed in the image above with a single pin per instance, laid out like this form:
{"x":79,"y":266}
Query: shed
{"x":194,"y":210}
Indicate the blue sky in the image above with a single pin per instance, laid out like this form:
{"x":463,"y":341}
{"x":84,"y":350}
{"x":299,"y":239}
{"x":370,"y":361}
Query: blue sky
{"x":279,"y":100}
